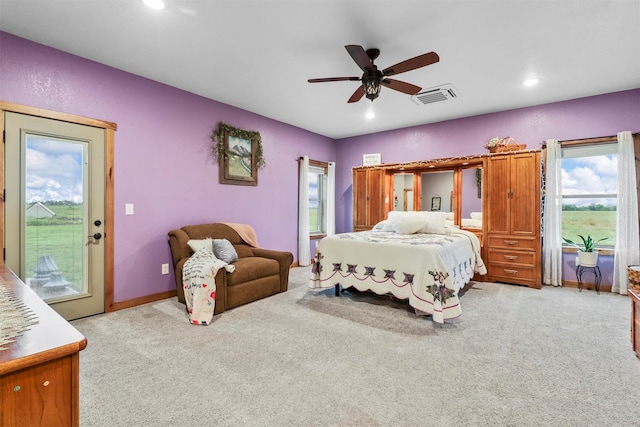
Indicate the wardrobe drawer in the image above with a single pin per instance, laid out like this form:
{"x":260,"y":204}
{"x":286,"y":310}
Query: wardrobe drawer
{"x":511,"y":257}
{"x":512,"y":242}
{"x":509,"y":272}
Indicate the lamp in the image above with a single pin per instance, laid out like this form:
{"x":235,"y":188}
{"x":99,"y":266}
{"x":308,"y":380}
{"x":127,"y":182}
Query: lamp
{"x":371,"y":84}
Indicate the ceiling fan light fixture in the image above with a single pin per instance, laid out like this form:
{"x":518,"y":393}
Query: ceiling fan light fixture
{"x":371,"y":86}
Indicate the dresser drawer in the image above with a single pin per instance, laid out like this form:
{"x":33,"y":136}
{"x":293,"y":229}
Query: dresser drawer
{"x":511,"y":257}
{"x":512,"y":242}
{"x":508,"y":272}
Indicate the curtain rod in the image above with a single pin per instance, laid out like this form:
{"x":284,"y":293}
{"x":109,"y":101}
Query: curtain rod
{"x":610,"y":138}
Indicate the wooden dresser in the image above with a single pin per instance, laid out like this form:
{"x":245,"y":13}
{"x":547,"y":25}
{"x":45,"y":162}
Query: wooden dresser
{"x":635,"y":320}
{"x":39,"y":372}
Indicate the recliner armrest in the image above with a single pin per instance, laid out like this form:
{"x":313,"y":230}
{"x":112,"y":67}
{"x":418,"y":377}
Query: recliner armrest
{"x":285,"y":259}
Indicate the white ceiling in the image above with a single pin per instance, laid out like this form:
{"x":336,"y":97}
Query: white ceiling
{"x":258,"y":55}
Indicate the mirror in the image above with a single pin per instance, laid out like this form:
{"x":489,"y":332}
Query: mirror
{"x":403,"y":195}
{"x":471,"y":197}
{"x":437,"y":191}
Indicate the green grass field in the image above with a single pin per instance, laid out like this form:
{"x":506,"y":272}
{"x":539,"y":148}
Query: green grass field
{"x":598,"y":224}
{"x":62,"y":238}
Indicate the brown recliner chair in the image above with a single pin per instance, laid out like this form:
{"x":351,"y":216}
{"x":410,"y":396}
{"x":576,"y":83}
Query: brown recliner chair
{"x":259,"y":272}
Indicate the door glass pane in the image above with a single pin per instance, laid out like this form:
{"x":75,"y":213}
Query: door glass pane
{"x":55,"y":217}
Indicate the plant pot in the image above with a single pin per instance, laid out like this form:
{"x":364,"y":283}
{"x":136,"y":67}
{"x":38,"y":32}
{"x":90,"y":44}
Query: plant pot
{"x":587,"y":259}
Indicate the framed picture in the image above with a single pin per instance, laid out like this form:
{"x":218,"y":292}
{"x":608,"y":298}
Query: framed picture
{"x":435,"y":203}
{"x":238,"y":164}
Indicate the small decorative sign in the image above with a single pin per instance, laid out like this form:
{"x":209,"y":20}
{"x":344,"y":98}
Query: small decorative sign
{"x":371,"y":159}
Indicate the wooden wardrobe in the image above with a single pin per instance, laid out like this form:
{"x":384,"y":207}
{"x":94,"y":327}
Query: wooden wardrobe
{"x":512,"y":218}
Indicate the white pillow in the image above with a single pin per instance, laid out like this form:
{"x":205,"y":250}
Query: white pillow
{"x":406,"y":222}
{"x":196,"y":245}
{"x":476,"y":215}
{"x":380,"y":226}
{"x":450,"y":216}
{"x":434,"y":222}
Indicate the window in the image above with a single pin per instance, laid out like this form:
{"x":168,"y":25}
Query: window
{"x":317,"y":197}
{"x":589,"y":192}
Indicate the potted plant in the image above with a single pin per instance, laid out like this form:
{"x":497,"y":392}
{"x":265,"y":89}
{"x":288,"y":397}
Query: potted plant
{"x":587,"y":254}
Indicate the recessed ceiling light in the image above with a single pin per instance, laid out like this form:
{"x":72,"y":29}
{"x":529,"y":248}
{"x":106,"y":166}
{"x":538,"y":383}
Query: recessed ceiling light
{"x":154,"y":4}
{"x":531,"y":82}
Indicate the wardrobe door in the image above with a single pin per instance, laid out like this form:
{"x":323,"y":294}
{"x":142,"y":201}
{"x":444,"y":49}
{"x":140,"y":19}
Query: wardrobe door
{"x":525,"y":184}
{"x":497,"y":193}
{"x":368,"y":198}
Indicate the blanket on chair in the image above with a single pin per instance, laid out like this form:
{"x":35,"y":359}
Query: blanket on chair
{"x":198,"y":279}
{"x":246,"y":233}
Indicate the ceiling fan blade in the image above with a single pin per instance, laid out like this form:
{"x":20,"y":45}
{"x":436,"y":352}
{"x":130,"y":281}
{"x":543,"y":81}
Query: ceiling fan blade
{"x":334,"y":79}
{"x":403,"y":87}
{"x":357,"y":95}
{"x":360,"y":57}
{"x":412,"y":64}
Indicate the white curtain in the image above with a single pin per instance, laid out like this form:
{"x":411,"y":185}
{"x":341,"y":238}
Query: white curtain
{"x":304,"y":243}
{"x":626,"y":250}
{"x":331,"y":199}
{"x":552,"y":219}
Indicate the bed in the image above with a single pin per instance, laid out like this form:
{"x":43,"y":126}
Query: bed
{"x":424,"y":267}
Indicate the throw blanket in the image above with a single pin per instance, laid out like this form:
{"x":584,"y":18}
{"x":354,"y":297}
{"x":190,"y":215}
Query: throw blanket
{"x":246,"y":233}
{"x":198,"y":278}
{"x":15,"y":317}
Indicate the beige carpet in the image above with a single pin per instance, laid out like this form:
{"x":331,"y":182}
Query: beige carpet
{"x":517,"y":357}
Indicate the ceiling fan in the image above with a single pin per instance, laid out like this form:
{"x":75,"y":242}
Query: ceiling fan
{"x":373,"y":78}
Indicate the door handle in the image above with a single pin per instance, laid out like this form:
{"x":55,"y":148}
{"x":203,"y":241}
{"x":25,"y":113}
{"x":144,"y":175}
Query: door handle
{"x":96,"y":236}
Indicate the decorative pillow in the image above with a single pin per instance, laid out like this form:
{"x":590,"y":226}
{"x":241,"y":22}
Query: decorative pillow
{"x":224,"y":250}
{"x":450,"y":216}
{"x":435,"y":222}
{"x":196,"y":245}
{"x":476,"y":215}
{"x":406,"y":222}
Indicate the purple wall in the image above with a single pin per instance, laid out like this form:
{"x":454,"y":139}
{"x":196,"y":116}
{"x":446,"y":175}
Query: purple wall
{"x":163,"y":166}
{"x":162,"y":160}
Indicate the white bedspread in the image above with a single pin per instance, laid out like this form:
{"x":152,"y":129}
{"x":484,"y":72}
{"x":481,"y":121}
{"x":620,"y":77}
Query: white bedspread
{"x":426,"y":269}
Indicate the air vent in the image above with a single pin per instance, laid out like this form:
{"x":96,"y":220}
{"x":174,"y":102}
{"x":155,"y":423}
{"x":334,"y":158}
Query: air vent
{"x":435,"y":94}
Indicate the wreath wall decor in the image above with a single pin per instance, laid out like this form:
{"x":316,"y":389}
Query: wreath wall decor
{"x":239,"y":153}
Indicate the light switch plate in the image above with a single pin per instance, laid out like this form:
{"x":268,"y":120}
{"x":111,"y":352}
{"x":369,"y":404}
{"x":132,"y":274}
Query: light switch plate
{"x":128,"y":209}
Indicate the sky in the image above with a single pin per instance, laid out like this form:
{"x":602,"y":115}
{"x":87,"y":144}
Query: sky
{"x":53,"y":170}
{"x":584,"y":175}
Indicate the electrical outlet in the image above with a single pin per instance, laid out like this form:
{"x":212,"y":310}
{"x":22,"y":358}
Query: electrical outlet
{"x":165,"y":268}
